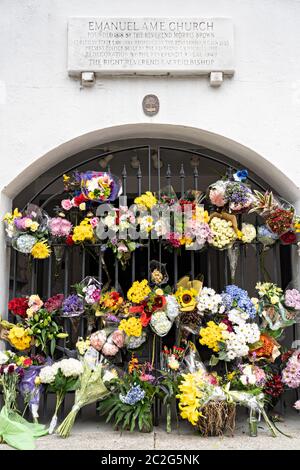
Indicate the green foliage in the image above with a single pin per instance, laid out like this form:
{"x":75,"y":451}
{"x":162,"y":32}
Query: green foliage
{"x":45,"y":330}
{"x":64,"y":384}
{"x":130,"y":417}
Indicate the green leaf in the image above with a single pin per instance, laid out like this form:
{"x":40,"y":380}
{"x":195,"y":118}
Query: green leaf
{"x":214,"y":360}
{"x":52,"y":346}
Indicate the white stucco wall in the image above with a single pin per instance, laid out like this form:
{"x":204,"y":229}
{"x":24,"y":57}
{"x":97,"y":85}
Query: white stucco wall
{"x":43,"y":112}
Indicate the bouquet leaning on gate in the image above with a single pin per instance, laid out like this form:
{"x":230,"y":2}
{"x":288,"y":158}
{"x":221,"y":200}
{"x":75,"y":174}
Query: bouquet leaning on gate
{"x":91,"y":389}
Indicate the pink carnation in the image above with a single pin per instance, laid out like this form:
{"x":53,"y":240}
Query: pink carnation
{"x":217,"y":197}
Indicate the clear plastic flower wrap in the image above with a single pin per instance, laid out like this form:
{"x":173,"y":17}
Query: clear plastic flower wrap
{"x":191,"y":361}
{"x":158,"y":273}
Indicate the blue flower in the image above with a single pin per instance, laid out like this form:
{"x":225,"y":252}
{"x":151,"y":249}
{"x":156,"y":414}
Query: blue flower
{"x":133,"y":396}
{"x":240,"y":175}
{"x":234,"y":296}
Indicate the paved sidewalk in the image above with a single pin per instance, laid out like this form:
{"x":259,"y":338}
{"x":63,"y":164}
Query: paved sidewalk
{"x":91,"y":433}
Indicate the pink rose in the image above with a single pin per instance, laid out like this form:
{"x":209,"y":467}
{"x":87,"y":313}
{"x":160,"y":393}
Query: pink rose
{"x":109,"y":349}
{"x":118,"y":338}
{"x":66,"y":204}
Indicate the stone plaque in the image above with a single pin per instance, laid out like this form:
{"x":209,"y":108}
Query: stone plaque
{"x":153,"y":46}
{"x":150,"y":105}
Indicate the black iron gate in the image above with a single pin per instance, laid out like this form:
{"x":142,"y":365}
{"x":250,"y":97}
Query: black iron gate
{"x":42,"y":276}
{"x":47,"y":278}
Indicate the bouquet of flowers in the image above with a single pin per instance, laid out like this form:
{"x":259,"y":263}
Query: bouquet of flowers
{"x":28,"y":386}
{"x":248,"y":233}
{"x":100,"y":186}
{"x":42,"y":326}
{"x":108,"y":342}
{"x":224,"y":230}
{"x":276,"y":308}
{"x":61,"y":377}
{"x":14,"y":429}
{"x":187,"y":295}
{"x":266,"y":237}
{"x":235,"y":195}
{"x":291,"y":372}
{"x":110,"y":303}
{"x":279,"y":215}
{"x":130,"y":402}
{"x":92,"y":388}
{"x":265,"y":349}
{"x":231,"y":338}
{"x":210,"y":406}
{"x":209,"y":302}
{"x":133,"y":329}
{"x":28,"y":232}
{"x":234,"y":297}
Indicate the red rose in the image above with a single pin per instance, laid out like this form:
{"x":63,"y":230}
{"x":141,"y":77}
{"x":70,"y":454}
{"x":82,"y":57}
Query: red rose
{"x":18,"y":306}
{"x":79,"y":200}
{"x":69,"y":240}
{"x":27,"y":362}
{"x":289,"y":238}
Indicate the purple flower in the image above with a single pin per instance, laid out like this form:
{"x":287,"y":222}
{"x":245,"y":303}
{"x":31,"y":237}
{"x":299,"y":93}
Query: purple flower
{"x":72,"y":305}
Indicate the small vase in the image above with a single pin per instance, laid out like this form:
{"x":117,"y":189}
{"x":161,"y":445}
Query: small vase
{"x":253,"y":422}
